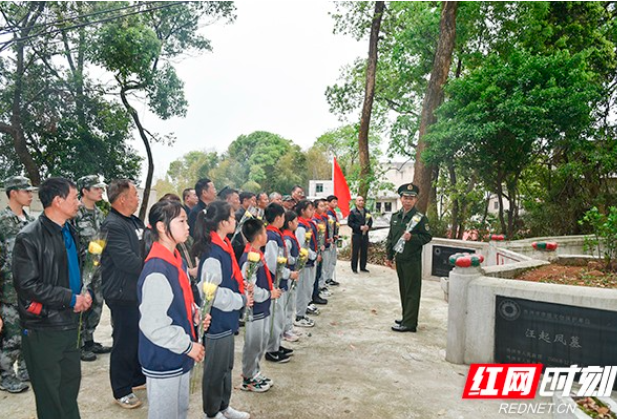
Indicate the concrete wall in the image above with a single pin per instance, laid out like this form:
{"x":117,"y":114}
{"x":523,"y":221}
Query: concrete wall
{"x":471,"y":311}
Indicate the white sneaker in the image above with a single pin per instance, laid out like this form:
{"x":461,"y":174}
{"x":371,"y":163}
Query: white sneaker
{"x":290,"y":337}
{"x":219,"y":415}
{"x":297,"y":332}
{"x":231,"y":413}
{"x":312,"y":309}
{"x":304,"y":322}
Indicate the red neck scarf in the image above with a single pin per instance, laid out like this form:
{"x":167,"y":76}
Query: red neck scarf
{"x":250,"y":248}
{"x":159,"y":251}
{"x":310,"y":223}
{"x":225,"y":244}
{"x":277,"y":231}
{"x":334,"y":214}
{"x":291,"y":235}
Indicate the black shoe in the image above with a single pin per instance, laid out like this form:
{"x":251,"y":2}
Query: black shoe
{"x":354,"y":271}
{"x":398,"y":321}
{"x":87,"y":355}
{"x":364,"y":270}
{"x":332,"y":282}
{"x":241,"y":323}
{"x":97,"y":348}
{"x":286,"y":351}
{"x":320,"y":301}
{"x":401,"y":328}
{"x":277,"y":357}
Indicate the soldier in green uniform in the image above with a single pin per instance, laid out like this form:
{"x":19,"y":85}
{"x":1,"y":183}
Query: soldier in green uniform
{"x":412,"y":227}
{"x":88,"y":225}
{"x":12,"y":219}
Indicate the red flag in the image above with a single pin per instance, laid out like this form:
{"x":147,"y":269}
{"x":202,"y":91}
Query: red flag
{"x":341,"y":189}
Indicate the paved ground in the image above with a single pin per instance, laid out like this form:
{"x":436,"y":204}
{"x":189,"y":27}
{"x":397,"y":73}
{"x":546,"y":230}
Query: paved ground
{"x":350,"y":365}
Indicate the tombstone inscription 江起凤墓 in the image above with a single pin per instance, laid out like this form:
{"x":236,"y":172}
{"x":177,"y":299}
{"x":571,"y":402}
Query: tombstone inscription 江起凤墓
{"x":554,"y":335}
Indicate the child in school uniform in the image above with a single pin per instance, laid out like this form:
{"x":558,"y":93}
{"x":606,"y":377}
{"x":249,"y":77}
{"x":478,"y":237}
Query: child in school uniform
{"x":275,"y":248}
{"x":320,"y":219}
{"x":168,"y":346}
{"x":333,"y":221}
{"x":218,"y":266}
{"x":293,"y":252}
{"x":257,"y":329}
{"x":305,"y":211}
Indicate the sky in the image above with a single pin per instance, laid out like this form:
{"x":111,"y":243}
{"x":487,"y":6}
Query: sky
{"x":268,"y":71}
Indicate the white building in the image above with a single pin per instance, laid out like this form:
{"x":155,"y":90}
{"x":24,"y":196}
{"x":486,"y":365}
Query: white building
{"x":386,"y":201}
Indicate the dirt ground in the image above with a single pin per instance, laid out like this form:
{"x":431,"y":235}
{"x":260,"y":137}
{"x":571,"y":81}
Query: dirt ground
{"x":349,"y":366}
{"x":585,"y":276}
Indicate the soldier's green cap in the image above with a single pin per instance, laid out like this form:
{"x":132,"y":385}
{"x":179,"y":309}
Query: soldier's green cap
{"x":408,"y":189}
{"x":92,"y":181}
{"x":19,"y":183}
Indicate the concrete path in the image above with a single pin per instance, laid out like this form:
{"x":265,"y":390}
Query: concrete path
{"x":349,"y":366}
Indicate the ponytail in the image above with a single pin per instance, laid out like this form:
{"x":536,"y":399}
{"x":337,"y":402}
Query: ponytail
{"x":164,"y":212}
{"x":207,"y":221}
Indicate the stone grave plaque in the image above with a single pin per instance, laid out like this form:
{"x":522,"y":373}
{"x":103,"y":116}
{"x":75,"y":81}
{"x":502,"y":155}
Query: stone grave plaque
{"x":441,"y":255}
{"x":554,"y":335}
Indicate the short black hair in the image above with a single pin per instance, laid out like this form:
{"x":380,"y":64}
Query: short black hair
{"x":226,"y":192}
{"x":186,"y":193}
{"x":303,"y":205}
{"x":296,"y":187}
{"x":246,"y":195}
{"x":201,"y":185}
{"x":289,"y":217}
{"x":251,"y":228}
{"x":116,"y":188}
{"x":272,"y":211}
{"x":332,"y":198}
{"x":53,"y":187}
{"x":317,"y":201}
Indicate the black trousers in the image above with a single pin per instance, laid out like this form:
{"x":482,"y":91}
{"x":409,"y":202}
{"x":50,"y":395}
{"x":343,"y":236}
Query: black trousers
{"x":54,"y":365}
{"x":124,"y":368}
{"x":216,"y":383}
{"x":359,"y":244}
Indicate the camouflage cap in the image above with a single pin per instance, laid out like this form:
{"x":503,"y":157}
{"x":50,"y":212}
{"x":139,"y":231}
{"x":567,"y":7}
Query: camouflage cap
{"x":18,"y":183}
{"x":91,"y":181}
{"x":287,"y":198}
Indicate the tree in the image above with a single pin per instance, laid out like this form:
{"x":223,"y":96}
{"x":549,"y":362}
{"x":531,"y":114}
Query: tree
{"x":502,"y":116}
{"x":186,"y":171}
{"x":64,"y":118}
{"x":139,"y":50}
{"x":425,"y":174}
{"x":367,"y":107}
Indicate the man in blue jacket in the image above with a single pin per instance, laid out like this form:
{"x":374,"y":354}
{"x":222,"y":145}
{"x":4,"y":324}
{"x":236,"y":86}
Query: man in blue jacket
{"x":46,"y":275}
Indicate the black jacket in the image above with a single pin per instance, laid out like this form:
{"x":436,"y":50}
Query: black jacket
{"x":201,"y":205}
{"x":356,"y":220}
{"x":41,"y":276}
{"x":122,"y":259}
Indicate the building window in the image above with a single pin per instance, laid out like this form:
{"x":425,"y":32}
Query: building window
{"x":318,"y":187}
{"x":496,"y":205}
{"x":388,"y":206}
{"x":378,"y":207}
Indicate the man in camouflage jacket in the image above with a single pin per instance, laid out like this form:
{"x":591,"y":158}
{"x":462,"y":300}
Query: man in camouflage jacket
{"x":12,"y":219}
{"x":88,"y":225}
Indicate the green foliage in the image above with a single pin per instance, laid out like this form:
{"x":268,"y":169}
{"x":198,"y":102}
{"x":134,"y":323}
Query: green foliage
{"x":604,"y":239}
{"x":128,"y":47}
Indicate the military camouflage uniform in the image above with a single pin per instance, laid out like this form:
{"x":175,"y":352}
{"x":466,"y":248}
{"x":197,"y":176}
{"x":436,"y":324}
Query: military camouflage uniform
{"x":88,"y":225}
{"x":10,"y":225}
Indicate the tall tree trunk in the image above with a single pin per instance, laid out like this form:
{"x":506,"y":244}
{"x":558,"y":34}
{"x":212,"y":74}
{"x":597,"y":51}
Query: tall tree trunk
{"x":455,"y":204}
{"x":367,"y":107}
{"x":144,"y":138}
{"x":15,"y":129}
{"x":423,"y":173}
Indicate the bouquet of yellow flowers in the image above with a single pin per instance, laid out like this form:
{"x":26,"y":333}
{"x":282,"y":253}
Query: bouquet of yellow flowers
{"x":92,"y":264}
{"x":321,"y":236}
{"x":253,"y":260}
{"x":209,"y":290}
{"x":245,"y":217}
{"x":303,"y":256}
